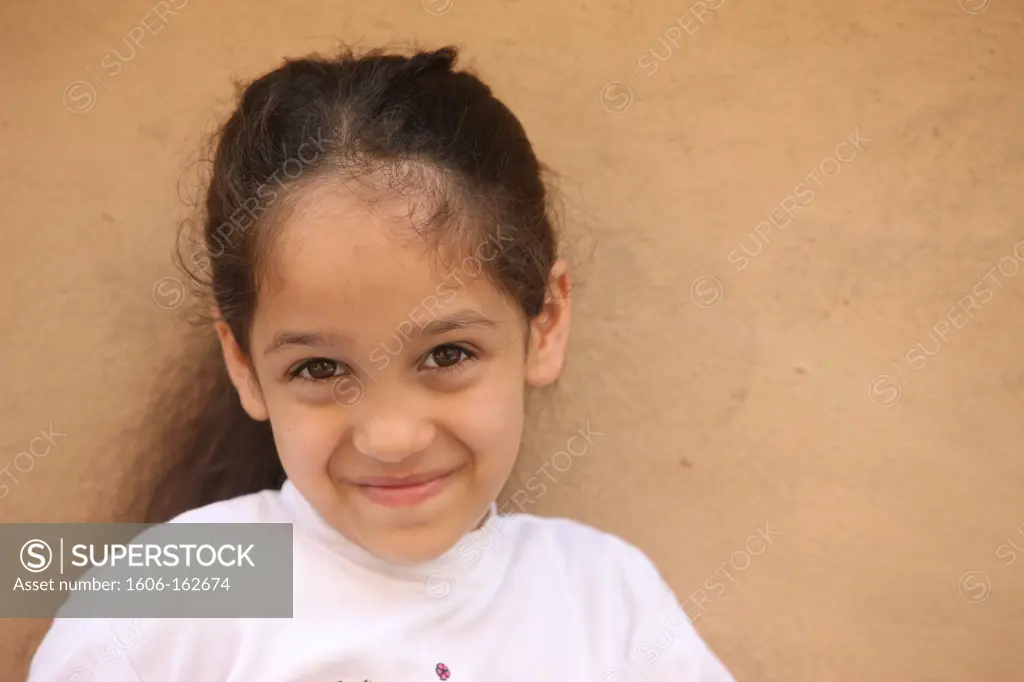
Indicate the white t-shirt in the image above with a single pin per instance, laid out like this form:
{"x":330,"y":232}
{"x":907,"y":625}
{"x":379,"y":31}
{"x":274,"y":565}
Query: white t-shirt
{"x":521,"y":598}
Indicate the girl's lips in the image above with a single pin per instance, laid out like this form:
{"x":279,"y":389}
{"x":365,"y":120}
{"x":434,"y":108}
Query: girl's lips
{"x":402,"y":492}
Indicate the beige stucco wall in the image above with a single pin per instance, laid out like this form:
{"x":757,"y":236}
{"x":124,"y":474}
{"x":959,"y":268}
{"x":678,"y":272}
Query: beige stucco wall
{"x":782,"y":394}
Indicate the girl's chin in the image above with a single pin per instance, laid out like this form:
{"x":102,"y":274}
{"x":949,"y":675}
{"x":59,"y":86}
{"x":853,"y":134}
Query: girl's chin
{"x":413,"y":546}
{"x":416,"y":540}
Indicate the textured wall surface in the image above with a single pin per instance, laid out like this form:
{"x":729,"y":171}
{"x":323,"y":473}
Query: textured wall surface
{"x":801,"y":312}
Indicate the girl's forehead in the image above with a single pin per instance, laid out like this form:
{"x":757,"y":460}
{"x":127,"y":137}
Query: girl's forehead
{"x":356,"y":222}
{"x":339,"y":254}
{"x":337,"y":241}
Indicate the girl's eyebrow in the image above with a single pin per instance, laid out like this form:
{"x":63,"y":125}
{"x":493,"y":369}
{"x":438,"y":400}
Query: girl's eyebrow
{"x":319,"y":337}
{"x":461,"y":319}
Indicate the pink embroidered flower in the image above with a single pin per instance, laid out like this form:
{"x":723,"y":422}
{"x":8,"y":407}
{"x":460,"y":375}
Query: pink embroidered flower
{"x":442,"y":671}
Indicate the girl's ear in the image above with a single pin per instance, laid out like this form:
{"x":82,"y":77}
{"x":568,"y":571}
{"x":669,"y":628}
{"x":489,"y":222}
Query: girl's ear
{"x":241,"y":372}
{"x":549,"y":331}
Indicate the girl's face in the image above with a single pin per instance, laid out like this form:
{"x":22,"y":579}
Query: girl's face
{"x":394,"y":385}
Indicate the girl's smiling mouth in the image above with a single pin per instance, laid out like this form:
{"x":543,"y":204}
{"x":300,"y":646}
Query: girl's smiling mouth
{"x":401,"y":491}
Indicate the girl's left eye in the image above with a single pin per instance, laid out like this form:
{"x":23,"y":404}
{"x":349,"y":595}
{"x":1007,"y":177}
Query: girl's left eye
{"x":446,"y":357}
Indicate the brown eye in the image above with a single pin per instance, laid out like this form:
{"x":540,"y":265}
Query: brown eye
{"x":445,"y":357}
{"x":318,"y":369}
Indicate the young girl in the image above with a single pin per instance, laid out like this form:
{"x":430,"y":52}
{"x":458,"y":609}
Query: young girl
{"x":386,"y":289}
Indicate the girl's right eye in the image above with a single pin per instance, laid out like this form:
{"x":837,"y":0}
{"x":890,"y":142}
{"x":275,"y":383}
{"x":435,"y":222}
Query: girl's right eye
{"x":316,"y":369}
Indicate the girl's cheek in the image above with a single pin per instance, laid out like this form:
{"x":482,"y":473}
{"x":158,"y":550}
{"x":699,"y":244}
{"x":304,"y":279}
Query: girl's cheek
{"x":305,"y":435}
{"x":490,"y":418}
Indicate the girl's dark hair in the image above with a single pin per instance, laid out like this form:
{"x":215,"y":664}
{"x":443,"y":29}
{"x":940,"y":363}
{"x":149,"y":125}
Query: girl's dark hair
{"x":410,"y":124}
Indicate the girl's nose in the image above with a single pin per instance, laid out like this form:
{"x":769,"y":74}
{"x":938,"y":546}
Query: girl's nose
{"x":393,"y":438}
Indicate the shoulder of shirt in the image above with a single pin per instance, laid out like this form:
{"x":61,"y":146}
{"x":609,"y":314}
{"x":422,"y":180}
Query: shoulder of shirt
{"x":613,"y":580}
{"x":583,"y":545}
{"x":625,"y":594}
{"x":260,"y":507}
{"x":68,"y":637}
